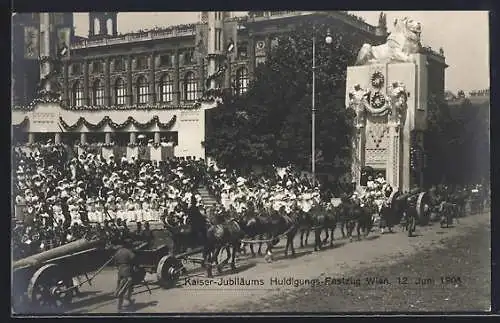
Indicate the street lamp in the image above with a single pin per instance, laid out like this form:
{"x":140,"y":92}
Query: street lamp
{"x":328,"y":40}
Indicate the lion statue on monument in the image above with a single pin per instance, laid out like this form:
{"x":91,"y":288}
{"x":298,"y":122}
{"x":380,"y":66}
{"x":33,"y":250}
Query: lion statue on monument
{"x":399,"y":47}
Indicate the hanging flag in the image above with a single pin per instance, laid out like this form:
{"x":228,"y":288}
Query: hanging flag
{"x":31,"y":42}
{"x":63,"y":41}
{"x":230,"y":46}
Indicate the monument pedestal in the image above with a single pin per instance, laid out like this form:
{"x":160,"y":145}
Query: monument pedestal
{"x":390,"y":104}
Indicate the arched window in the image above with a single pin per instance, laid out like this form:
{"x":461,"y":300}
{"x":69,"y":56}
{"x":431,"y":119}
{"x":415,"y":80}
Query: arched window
{"x":166,"y":89}
{"x":97,"y":27}
{"x":142,"y":90}
{"x":109,"y":26}
{"x":78,"y":94}
{"x":241,"y":80}
{"x":120,"y":92}
{"x":98,"y":93}
{"x":190,"y":87}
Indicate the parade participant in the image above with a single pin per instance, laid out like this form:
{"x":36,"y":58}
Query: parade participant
{"x":125,"y":261}
{"x":147,"y":234}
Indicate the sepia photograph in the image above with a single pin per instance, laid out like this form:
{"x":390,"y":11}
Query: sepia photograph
{"x":205,"y":162}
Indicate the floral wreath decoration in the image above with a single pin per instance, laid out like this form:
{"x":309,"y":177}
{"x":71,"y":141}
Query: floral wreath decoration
{"x":377,"y":80}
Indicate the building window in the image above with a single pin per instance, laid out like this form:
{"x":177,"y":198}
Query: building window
{"x":166,"y":89}
{"x":142,"y":63}
{"x":241,"y":80}
{"x":242,"y":51}
{"x":188,"y":58}
{"x":78,"y":94}
{"x":96,"y":67}
{"x":119,"y":65}
{"x":218,"y":39}
{"x":166,"y":60}
{"x":142,"y":90}
{"x":120,"y":92}
{"x":76,"y":69}
{"x":98,"y":93}
{"x":190,"y":87}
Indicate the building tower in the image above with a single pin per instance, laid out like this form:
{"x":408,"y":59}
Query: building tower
{"x":215,"y":45}
{"x":103,"y":24}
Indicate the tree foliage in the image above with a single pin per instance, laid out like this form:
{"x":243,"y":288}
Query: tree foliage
{"x":271,"y":123}
{"x":457,"y":142}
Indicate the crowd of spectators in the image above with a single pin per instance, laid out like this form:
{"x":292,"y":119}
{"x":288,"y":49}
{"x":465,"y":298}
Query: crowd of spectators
{"x":62,"y":198}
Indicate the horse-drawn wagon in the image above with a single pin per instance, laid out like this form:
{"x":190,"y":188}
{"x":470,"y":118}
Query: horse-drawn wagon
{"x":44,"y":281}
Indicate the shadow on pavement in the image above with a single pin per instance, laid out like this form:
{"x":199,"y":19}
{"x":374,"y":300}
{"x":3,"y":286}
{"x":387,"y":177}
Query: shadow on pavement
{"x":372,"y":237}
{"x":298,"y":254}
{"x":138,"y":306}
{"x":239,"y":268}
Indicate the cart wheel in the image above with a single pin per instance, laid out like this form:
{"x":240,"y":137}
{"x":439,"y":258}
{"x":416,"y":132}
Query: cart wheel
{"x":168,"y":271}
{"x":48,"y":289}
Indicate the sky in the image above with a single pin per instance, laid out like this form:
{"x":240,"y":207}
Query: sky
{"x":464,"y":36}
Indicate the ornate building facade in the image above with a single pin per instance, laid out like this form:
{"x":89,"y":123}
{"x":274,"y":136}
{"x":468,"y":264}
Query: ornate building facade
{"x":163,"y":71}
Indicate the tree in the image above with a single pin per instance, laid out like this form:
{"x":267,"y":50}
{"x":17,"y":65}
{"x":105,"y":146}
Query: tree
{"x":457,"y":142}
{"x":276,"y":127}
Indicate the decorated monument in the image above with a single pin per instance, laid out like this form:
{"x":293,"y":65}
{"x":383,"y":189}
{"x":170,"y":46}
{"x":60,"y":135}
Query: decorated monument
{"x":388,"y":91}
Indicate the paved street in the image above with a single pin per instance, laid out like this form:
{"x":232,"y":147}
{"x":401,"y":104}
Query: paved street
{"x":376,"y":274}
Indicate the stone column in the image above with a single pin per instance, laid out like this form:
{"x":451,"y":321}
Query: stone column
{"x":57,"y":138}
{"x":251,"y":56}
{"x":133,"y":136}
{"x":152,"y":85}
{"x":65,"y":86}
{"x":177,"y":89}
{"x":201,"y":76}
{"x":360,"y":153}
{"x":130,"y":95}
{"x":107,"y":82}
{"x":31,"y":138}
{"x":86,"y":96}
{"x":393,"y":162}
{"x":157,"y":138}
{"x":83,"y":137}
{"x":107,"y":138}
{"x":227,"y":76}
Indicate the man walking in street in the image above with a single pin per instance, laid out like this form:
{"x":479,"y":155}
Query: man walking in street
{"x":124,"y":259}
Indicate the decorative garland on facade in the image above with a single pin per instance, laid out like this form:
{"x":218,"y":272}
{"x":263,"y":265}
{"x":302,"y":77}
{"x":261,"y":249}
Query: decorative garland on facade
{"x":377,"y":104}
{"x":128,"y":107}
{"x":117,"y":126}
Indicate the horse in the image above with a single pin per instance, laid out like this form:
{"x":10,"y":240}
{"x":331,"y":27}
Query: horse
{"x":279,"y":223}
{"x":254,"y":226}
{"x":305,"y":222}
{"x":359,"y":218}
{"x":391,"y":212}
{"x":324,"y":219}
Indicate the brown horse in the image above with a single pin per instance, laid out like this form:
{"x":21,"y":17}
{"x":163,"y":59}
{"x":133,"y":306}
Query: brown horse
{"x":324,"y":219}
{"x":279,"y":223}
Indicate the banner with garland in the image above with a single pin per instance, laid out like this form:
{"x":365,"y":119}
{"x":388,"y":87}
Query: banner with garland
{"x":118,"y":126}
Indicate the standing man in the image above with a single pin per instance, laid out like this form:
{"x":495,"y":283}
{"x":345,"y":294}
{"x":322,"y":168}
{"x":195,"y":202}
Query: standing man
{"x":124,"y":260}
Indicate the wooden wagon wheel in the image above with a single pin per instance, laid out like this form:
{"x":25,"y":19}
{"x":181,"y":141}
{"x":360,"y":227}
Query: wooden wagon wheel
{"x":168,"y":271}
{"x":422,"y":208}
{"x":49,"y":288}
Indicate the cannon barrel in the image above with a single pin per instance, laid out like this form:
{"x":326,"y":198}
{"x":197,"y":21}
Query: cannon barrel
{"x":67,"y":249}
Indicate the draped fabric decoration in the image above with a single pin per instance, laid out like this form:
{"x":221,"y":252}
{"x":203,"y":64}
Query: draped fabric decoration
{"x":116,"y":126}
{"x":129,"y":107}
{"x":377,"y":104}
